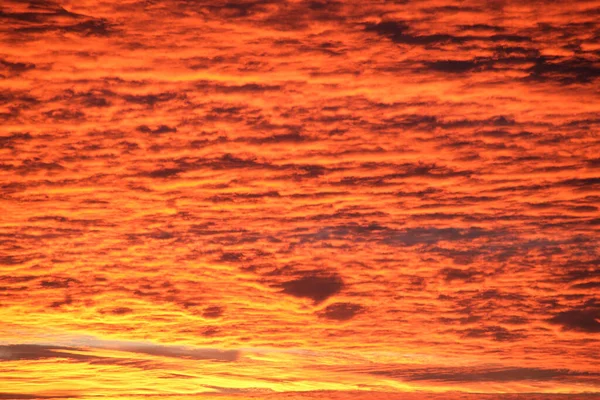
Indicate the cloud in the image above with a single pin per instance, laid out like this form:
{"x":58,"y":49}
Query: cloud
{"x":341,"y":311}
{"x":582,"y":320}
{"x":317,"y":287}
{"x":19,"y":352}
{"x":453,"y":274}
{"x":158,"y":130}
{"x":565,"y":70}
{"x":86,"y":352}
{"x":181,"y":352}
{"x":16,"y":67}
{"x":119,"y":311}
{"x":213,"y":312}
{"x":326,"y":179}
{"x":493,"y":374}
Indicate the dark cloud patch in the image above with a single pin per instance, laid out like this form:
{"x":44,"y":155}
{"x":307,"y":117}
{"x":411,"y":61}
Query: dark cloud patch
{"x":68,"y":300}
{"x":582,"y":320}
{"x":482,"y":28}
{"x":496,"y":333}
{"x":341,"y":311}
{"x":119,"y":311}
{"x":32,"y":166}
{"x":93,"y":100}
{"x":91,"y":27}
{"x":456,"y":66}
{"x":58,"y":283}
{"x":164,"y":172}
{"x":231,"y":257}
{"x":583,"y":209}
{"x":403,"y":171}
{"x":586,"y":285}
{"x":150,"y":100}
{"x":20,"y":352}
{"x":24,"y":396}
{"x":156,"y":131}
{"x":15,"y":67}
{"x":565,"y":70}
{"x":582,"y":183}
{"x":229,"y":161}
{"x":400,"y":32}
{"x":495,"y":374}
{"x":397,"y":237}
{"x":416,"y":236}
{"x":213,"y":312}
{"x":515,"y":320}
{"x":12,"y":140}
{"x":15,"y":260}
{"x":47,"y":12}
{"x":317,"y":287}
{"x":246,"y":88}
{"x":39,"y":352}
{"x":237,"y":9}
{"x":283,"y":138}
{"x":65,"y":114}
{"x":17,"y":279}
{"x":455,"y":274}
{"x":210,"y":331}
{"x":96,"y":27}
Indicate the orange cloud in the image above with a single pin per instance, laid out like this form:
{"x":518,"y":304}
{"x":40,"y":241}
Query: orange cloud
{"x":299,"y":199}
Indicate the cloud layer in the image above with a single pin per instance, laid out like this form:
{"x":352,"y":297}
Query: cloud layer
{"x":287,"y":196}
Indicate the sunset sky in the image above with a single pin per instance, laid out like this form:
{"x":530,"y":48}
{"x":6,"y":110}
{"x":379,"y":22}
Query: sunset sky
{"x":269,"y":199}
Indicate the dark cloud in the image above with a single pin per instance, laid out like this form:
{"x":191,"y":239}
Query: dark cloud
{"x":90,"y":27}
{"x":38,"y":352}
{"x":497,"y":374}
{"x":454,"y":274}
{"x":317,"y":287}
{"x":19,"y":352}
{"x":582,"y":320}
{"x":164,"y":172}
{"x":246,"y":88}
{"x":400,"y":32}
{"x":456,"y":66}
{"x":213,"y":312}
{"x":496,"y":333}
{"x":24,"y":396}
{"x":565,"y":70}
{"x":120,"y":311}
{"x":415,"y":236}
{"x":65,"y":114}
{"x":47,"y":11}
{"x":158,"y":130}
{"x":15,"y":67}
{"x":482,"y":27}
{"x":11,"y":140}
{"x":98,"y":27}
{"x":581,"y":182}
{"x":341,"y":311}
{"x":586,"y":285}
{"x":150,"y":99}
{"x":238,"y":9}
{"x":68,"y":300}
{"x":58,"y":283}
{"x":283,"y":138}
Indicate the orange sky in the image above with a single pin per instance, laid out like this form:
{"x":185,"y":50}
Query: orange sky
{"x":266,"y":199}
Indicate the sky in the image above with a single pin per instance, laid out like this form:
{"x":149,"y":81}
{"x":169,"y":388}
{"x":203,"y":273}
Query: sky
{"x":270,"y":199}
